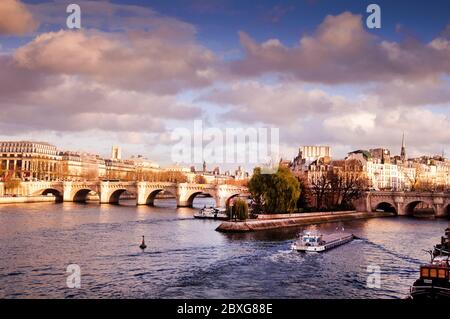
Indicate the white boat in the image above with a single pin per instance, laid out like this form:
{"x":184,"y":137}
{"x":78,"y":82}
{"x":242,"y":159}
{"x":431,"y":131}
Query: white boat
{"x":211,"y":213}
{"x":313,"y":242}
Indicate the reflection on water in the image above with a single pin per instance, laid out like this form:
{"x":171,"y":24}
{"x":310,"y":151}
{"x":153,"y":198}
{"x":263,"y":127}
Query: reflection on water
{"x":187,"y":258}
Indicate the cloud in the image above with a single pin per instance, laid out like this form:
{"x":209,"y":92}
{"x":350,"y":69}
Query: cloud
{"x":15,"y":80}
{"x":71,"y":104}
{"x":130,"y":69}
{"x":133,"y":60}
{"x":315,"y":116}
{"x":125,"y":81}
{"x":342,"y":51}
{"x":15,"y":18}
{"x":277,"y":104}
{"x":427,"y":91}
{"x":426,"y":131}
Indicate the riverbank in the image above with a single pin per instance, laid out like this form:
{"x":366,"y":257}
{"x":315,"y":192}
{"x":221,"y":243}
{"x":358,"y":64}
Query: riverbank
{"x":308,"y":219}
{"x":301,"y":215}
{"x":26,"y":199}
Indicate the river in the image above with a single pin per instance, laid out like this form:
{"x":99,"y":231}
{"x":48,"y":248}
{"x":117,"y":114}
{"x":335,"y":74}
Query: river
{"x":187,"y":258}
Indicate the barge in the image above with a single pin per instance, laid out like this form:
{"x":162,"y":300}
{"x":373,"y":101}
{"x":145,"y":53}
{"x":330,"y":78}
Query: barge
{"x":434,"y":280}
{"x":311,"y":242}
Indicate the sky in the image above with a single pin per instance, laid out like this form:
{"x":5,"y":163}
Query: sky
{"x":138,"y":70}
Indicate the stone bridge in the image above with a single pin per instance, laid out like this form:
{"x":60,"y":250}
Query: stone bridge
{"x":404,"y":203}
{"x":145,"y":192}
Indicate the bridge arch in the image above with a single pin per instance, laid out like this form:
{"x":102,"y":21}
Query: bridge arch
{"x":191,"y":197}
{"x":150,"y":196}
{"x":386,"y":207}
{"x":114,"y":195}
{"x":383,"y":202}
{"x":110,"y":192}
{"x":54,"y":191}
{"x":419,"y":205}
{"x":80,"y":195}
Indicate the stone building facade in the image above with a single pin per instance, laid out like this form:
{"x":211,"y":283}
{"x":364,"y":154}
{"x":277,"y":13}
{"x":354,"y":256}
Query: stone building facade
{"x":29,"y":160}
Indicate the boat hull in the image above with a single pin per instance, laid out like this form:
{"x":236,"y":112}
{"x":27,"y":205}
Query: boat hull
{"x":422,"y":290}
{"x":212,"y":217}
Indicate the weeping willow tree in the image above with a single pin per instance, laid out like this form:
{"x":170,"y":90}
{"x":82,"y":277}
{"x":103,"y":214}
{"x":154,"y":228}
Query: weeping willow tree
{"x":240,"y":209}
{"x":274,"y":193}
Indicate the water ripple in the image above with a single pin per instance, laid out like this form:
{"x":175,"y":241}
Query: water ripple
{"x":187,"y":258}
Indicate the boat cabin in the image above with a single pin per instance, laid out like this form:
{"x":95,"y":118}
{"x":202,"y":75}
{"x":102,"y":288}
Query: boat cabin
{"x":310,"y":239}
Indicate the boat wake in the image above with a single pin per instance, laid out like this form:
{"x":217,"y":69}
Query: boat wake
{"x":392,"y":253}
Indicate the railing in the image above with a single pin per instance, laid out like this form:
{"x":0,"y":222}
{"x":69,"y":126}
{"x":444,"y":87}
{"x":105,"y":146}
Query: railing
{"x":408,"y":193}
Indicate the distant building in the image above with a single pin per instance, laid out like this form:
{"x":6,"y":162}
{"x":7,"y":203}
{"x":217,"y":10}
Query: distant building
{"x":76,"y":166}
{"x":143,"y":163}
{"x":120,"y":169}
{"x":381,"y":155}
{"x":361,"y":155}
{"x":116,"y":153}
{"x":29,"y":160}
{"x":308,"y":155}
{"x":403,"y":149}
{"x":312,"y":153}
{"x":383,"y":171}
{"x":42,"y":161}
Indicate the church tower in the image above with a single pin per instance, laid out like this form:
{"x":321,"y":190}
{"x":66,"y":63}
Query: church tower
{"x":403,"y":151}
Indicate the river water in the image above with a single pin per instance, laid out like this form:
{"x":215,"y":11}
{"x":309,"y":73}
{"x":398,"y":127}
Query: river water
{"x":187,"y":258}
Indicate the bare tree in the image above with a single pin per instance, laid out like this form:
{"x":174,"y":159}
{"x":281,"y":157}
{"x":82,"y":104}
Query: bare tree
{"x":415,"y":178}
{"x":339,"y":184}
{"x":348,"y":182}
{"x":174,"y":177}
{"x":320,"y":186}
